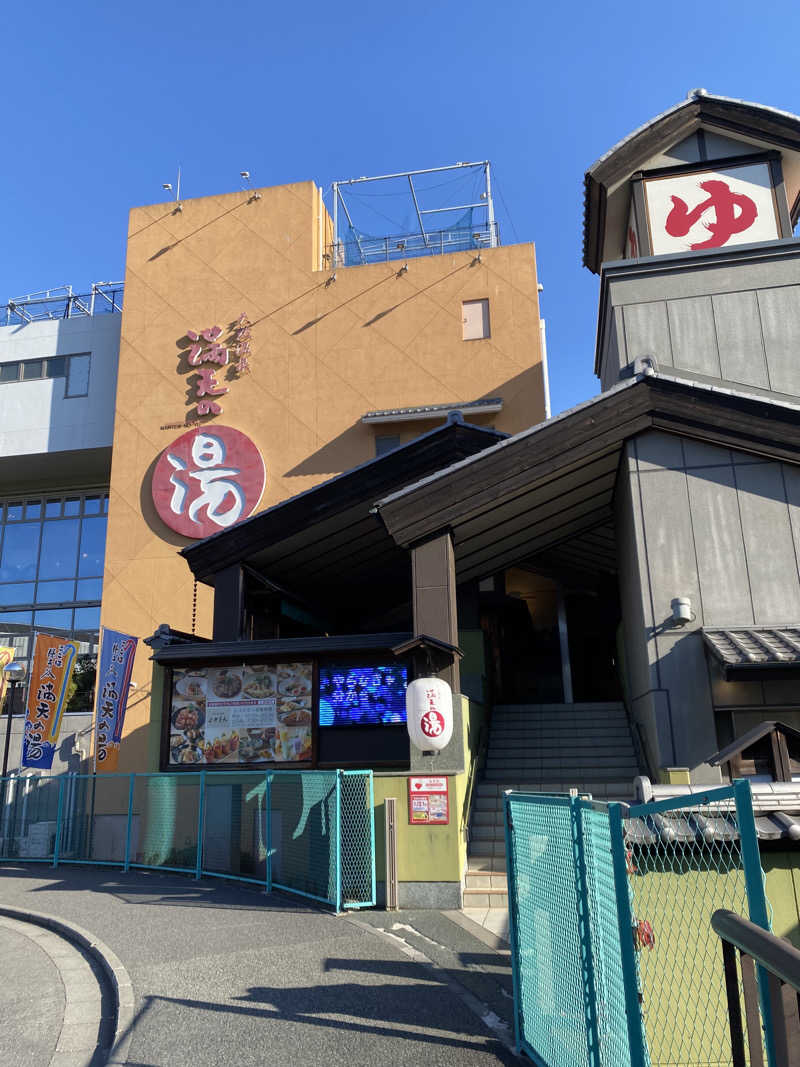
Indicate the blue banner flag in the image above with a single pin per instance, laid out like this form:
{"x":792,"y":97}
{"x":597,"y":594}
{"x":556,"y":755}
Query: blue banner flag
{"x":113,"y":683}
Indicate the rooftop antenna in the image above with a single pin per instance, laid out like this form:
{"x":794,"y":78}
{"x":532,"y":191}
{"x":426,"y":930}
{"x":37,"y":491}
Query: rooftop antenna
{"x":168,"y":185}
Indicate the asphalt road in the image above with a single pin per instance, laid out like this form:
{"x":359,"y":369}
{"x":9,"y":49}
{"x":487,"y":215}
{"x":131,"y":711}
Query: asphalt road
{"x":225,"y":975}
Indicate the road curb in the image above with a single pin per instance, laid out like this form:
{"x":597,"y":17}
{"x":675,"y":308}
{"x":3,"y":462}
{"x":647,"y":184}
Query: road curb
{"x":110,"y":964}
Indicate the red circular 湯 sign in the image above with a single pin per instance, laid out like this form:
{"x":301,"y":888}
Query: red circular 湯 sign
{"x":432,"y":723}
{"x":207,"y":480}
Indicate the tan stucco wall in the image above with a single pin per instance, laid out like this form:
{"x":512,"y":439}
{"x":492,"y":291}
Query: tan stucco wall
{"x":323,"y":353}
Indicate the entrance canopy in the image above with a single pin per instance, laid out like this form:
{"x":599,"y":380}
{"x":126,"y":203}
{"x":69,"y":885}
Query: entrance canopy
{"x":325,"y":548}
{"x":547,"y":493}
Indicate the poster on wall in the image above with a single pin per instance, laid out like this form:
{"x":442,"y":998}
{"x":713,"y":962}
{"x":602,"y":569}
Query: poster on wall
{"x":258,"y":713}
{"x":117,"y":651}
{"x":53,"y":660}
{"x":428,"y":801}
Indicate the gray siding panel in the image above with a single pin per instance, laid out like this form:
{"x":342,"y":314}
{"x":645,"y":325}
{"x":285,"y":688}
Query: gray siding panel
{"x":647,"y":332}
{"x":694,"y":336}
{"x":741,"y":351}
{"x":769,"y":544}
{"x":780,"y":321}
{"x":670,"y":542}
{"x":719,"y":544}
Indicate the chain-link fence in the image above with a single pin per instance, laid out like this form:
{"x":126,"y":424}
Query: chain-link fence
{"x":615,"y":961}
{"x":569,"y":986}
{"x":684,"y":861}
{"x":308,"y":832}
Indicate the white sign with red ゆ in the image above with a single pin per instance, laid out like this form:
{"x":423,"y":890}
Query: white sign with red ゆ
{"x":711,"y":209}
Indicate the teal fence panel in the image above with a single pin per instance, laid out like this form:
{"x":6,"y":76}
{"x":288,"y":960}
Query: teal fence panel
{"x":686,"y":858}
{"x":165,"y":822}
{"x":307,"y":832}
{"x":568,"y":981}
{"x":94,"y":820}
{"x":29,"y":819}
{"x":358,"y":839}
{"x":613,"y":955}
{"x":235,"y":827}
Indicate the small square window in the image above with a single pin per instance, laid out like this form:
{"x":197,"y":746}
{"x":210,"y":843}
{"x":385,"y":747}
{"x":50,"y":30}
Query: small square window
{"x":91,"y":505}
{"x":9,"y":372}
{"x":475,"y":319}
{"x":32,"y":368}
{"x":14,"y":512}
{"x":33,"y":509}
{"x":77,"y":376}
{"x":52,"y":509}
{"x":72,"y":506}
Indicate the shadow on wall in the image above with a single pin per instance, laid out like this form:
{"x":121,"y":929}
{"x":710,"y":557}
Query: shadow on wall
{"x":356,"y":444}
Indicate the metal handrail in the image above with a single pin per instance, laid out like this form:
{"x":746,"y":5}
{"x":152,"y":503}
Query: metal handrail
{"x":773,"y":953}
{"x":483,"y":744}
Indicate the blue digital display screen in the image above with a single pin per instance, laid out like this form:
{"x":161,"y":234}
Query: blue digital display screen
{"x":362,"y":696}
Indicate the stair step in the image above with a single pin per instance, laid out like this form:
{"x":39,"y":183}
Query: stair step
{"x":485,"y":898}
{"x":486,"y":864}
{"x":484,"y":880}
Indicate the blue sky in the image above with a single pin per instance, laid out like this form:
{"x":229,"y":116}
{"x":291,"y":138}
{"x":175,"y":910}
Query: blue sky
{"x":103,"y":101}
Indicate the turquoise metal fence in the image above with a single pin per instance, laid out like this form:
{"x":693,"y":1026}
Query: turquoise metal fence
{"x":307,"y":832}
{"x":569,"y":989}
{"x":614,"y":959}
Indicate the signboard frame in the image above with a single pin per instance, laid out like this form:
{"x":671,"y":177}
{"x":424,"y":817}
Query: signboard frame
{"x":434,"y":790}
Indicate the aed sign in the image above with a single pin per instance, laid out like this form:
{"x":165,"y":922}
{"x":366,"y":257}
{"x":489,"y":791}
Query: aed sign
{"x":207,"y":480}
{"x":428,"y":801}
{"x":711,"y":208}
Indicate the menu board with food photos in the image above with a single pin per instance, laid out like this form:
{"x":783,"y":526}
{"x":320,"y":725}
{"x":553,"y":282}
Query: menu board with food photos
{"x":255,"y":713}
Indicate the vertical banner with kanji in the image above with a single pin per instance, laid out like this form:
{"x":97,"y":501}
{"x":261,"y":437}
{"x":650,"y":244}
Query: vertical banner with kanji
{"x":53,"y":660}
{"x":113,"y":683}
{"x":6,"y":656}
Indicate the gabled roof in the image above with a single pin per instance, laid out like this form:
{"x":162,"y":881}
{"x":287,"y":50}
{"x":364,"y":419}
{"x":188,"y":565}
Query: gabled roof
{"x":750,"y":738}
{"x":728,"y":115}
{"x":547,"y":485}
{"x":326,"y":539}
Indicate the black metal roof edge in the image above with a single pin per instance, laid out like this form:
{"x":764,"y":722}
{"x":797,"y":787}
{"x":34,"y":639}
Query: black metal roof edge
{"x":165,"y":636}
{"x":657,"y":383}
{"x":207,"y":555}
{"x":755,"y":734}
{"x":289,"y":646}
{"x":643,"y":142}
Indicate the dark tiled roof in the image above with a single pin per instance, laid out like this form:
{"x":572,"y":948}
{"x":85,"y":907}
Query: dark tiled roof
{"x":755,"y":646}
{"x":494,"y":402}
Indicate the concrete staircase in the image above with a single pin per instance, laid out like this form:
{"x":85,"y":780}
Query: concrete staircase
{"x":543,"y":748}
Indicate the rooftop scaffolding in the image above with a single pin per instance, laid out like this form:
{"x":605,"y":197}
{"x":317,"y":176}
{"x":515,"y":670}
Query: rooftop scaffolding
{"x":473,"y":228}
{"x":62,"y":303}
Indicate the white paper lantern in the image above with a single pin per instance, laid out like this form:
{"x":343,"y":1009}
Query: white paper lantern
{"x":429,"y":713}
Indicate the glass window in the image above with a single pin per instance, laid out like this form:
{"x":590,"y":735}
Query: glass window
{"x":55,"y":621}
{"x":9,"y":372}
{"x":20,"y":552}
{"x":59,"y":548}
{"x":105,"y":505}
{"x":90,"y":589}
{"x":32,"y":368}
{"x":55,"y":592}
{"x":87,"y":619}
{"x":21,"y":593}
{"x":77,"y":376}
{"x":53,"y":561}
{"x":93,"y":547}
{"x":57,"y":367}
